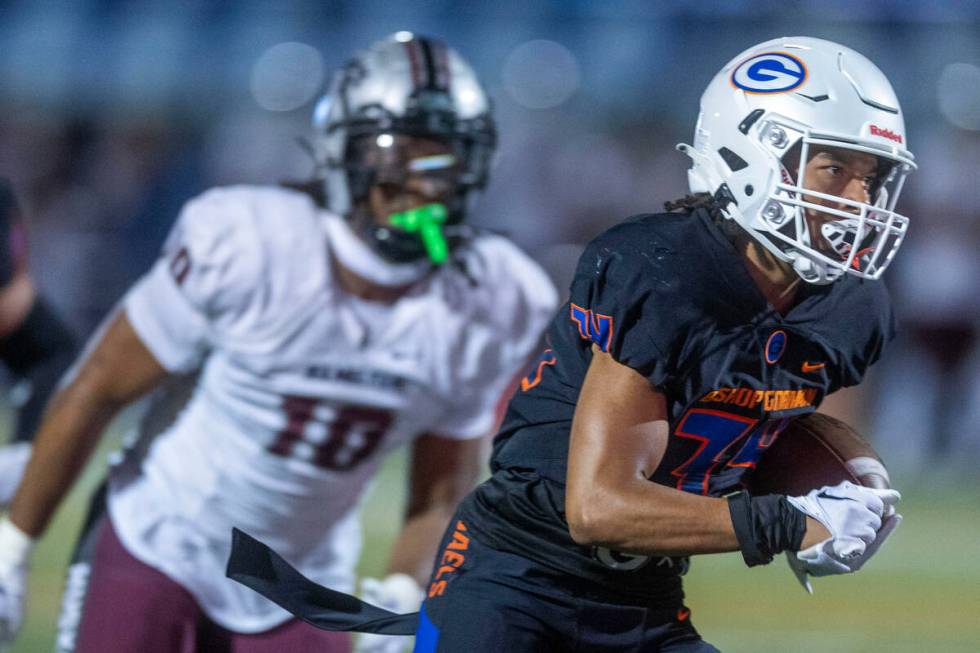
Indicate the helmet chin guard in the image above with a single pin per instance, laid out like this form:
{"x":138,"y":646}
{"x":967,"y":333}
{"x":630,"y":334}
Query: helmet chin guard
{"x":765,"y":115}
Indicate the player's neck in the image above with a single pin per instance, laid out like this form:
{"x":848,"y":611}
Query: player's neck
{"x":353,"y":284}
{"x":775,"y":279}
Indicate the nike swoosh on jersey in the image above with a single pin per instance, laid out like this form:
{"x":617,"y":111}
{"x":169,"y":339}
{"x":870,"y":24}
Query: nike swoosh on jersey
{"x":812,"y":367}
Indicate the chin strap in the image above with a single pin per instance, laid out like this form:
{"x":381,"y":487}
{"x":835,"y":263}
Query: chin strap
{"x":811,"y":272}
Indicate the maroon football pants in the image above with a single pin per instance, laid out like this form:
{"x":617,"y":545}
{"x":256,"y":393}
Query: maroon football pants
{"x":114,"y":602}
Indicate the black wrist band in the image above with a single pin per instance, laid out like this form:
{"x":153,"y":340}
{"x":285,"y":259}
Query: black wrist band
{"x":765,"y":526}
{"x":740,"y":509}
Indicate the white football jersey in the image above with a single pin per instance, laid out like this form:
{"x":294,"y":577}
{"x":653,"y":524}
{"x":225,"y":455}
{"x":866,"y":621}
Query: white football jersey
{"x":300,"y":389}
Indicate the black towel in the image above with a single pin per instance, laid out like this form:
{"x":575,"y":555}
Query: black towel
{"x":258,"y":567}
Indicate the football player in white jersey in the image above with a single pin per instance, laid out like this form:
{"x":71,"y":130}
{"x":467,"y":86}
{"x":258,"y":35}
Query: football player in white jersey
{"x":291,"y":346}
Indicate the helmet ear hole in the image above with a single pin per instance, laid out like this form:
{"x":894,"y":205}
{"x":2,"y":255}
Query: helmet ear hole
{"x":732,"y":160}
{"x":749,"y":190}
{"x":749,"y":120}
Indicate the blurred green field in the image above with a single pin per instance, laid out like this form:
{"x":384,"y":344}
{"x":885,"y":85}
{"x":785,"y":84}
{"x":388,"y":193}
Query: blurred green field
{"x":921,"y":594}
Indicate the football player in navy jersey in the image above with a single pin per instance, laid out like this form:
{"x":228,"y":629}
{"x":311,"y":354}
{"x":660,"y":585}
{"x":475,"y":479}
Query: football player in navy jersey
{"x":35,"y":344}
{"x":690,"y":341}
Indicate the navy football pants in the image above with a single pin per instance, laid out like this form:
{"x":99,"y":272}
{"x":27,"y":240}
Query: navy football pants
{"x":481,"y":599}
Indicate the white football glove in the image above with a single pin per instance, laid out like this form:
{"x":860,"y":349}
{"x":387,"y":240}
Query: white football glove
{"x":15,"y":551}
{"x":853,"y":515}
{"x":13,"y":460}
{"x":398,"y":593}
{"x":800,"y":562}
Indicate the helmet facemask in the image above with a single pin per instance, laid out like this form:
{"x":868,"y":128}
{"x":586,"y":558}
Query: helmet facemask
{"x":406,"y":205}
{"x":407,"y":194}
{"x":807,"y":219}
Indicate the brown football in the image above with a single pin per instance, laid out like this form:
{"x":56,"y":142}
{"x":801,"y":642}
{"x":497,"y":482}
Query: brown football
{"x":812,"y":452}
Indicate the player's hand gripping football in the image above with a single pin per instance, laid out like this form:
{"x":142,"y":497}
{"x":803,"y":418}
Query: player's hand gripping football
{"x":854,"y":516}
{"x":15,"y":551}
{"x":398,"y":593}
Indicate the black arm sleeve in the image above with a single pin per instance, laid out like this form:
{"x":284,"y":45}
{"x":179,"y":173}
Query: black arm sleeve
{"x":765,"y":526}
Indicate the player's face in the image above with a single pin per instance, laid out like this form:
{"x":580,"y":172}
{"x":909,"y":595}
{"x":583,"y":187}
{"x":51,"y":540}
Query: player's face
{"x":842,"y":173}
{"x":409,"y":172}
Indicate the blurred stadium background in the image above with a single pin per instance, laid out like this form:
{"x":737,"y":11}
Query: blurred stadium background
{"x":115,"y":113}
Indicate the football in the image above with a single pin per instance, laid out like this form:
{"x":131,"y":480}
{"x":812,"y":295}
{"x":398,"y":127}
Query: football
{"x":814,"y":451}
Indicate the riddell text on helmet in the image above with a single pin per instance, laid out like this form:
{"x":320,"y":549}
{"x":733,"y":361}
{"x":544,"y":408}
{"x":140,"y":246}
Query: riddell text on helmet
{"x":885,"y":133}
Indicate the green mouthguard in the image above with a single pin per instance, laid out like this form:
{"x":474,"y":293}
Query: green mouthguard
{"x":426,"y":221}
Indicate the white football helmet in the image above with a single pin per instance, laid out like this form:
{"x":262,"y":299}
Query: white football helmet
{"x":409,"y":85}
{"x":762,"y":118}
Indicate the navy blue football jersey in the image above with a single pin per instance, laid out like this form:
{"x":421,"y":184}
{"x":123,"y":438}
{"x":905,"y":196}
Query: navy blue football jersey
{"x":669,"y":296}
{"x":13,"y":244}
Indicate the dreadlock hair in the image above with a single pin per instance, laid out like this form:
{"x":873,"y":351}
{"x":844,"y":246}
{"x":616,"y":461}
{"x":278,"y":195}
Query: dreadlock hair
{"x":693,"y":201}
{"x":312,"y":187}
{"x":710,"y":203}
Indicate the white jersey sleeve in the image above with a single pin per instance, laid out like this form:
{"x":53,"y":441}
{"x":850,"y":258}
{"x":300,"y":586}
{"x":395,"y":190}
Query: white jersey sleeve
{"x":204,"y":280}
{"x":509,"y":306}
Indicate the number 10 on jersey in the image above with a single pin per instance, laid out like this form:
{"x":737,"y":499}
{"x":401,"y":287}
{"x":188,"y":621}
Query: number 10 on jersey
{"x":346,"y":439}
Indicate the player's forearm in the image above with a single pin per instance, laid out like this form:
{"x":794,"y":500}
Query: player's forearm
{"x":443,"y":470}
{"x":650,"y":519}
{"x":66,"y":438}
{"x":117,"y":369}
{"x":417,"y":542}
